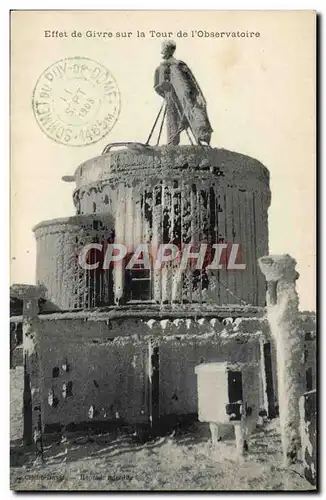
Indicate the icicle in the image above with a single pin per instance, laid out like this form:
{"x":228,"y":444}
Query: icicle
{"x":50,"y":397}
{"x":188,"y":323}
{"x":65,"y":366}
{"x":237,"y":323}
{"x":150,"y":323}
{"x":91,"y":412}
{"x":164,"y":323}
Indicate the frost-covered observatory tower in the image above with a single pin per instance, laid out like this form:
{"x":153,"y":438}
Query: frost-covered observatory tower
{"x":131,"y":338}
{"x":157,"y":195}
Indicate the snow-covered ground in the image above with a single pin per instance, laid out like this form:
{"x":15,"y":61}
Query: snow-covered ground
{"x":180,"y":462}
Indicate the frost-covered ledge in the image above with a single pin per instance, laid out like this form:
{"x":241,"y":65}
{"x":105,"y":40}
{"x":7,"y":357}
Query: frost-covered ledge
{"x":155,"y":314}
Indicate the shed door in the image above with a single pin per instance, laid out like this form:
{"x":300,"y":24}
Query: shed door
{"x":235,"y":386}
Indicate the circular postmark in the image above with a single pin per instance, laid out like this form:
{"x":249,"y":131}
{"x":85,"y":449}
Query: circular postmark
{"x":76,"y":101}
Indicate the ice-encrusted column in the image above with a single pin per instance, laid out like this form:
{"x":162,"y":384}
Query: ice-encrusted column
{"x":283,"y":318}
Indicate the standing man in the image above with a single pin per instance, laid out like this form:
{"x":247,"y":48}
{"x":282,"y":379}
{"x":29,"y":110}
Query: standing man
{"x":186,"y":105}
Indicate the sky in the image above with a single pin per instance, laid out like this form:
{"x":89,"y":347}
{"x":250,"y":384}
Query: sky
{"x":260,"y":95}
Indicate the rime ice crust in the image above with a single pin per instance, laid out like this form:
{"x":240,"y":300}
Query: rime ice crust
{"x":181,"y":195}
{"x":284,"y":322}
{"x":136,"y":162}
{"x":58,"y":243}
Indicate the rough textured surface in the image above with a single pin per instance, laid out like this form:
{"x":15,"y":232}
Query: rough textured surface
{"x":308,"y":414}
{"x":173,"y":194}
{"x":136,"y":163}
{"x":108,"y":366}
{"x":112,"y":348}
{"x":59,"y":243}
{"x":95,"y":364}
{"x":16,"y":403}
{"x":283,"y":317}
{"x":30,"y":294}
{"x":186,"y":336}
{"x":185,"y":461}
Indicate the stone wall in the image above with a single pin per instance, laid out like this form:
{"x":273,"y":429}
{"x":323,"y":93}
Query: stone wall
{"x":178,"y":381}
{"x":99,"y":370}
{"x":98,"y":366}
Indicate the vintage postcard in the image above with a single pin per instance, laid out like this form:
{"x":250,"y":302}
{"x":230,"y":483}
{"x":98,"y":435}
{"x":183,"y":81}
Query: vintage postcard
{"x":162,"y":298}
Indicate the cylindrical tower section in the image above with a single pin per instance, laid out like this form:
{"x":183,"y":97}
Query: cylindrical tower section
{"x":185,"y":195}
{"x":59,"y":265}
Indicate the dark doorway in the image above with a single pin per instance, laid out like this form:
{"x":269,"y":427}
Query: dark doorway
{"x":269,"y":380}
{"x":235,"y":386}
{"x":154,"y":386}
{"x":309,"y":379}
